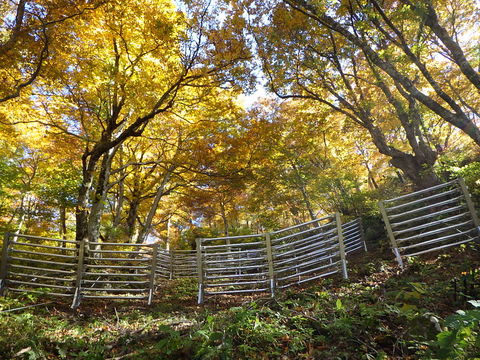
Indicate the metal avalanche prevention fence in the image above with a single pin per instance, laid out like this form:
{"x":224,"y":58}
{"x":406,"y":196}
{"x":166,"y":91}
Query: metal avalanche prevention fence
{"x":270,"y":261}
{"x":176,"y":264}
{"x":35,"y":264}
{"x":232,"y":265}
{"x":72,"y":269}
{"x":117,"y":271}
{"x":435,"y":218}
{"x":354,"y":237}
{"x":308,"y":251}
{"x":225,"y":265}
{"x":420,"y":222}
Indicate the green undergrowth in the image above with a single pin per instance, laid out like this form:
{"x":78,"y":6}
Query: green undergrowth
{"x":428,"y":311}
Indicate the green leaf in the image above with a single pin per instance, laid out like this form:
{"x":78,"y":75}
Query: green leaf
{"x":475,"y":303}
{"x":339,"y":305}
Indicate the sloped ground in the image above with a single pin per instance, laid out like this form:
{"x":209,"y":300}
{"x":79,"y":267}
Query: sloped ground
{"x":379,"y":313}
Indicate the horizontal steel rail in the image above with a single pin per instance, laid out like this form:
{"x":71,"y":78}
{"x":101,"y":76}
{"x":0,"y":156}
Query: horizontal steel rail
{"x":238,"y":237}
{"x":38,"y":261}
{"x":113,"y":297}
{"x":431,"y":224}
{"x":307,"y":271}
{"x":50,"y":293}
{"x":120,"y":244}
{"x":315,"y":277}
{"x":440,"y":247}
{"x":301,"y":233}
{"x":33,"y":237}
{"x":423,"y":200}
{"x":115,"y":274}
{"x":42,"y":254}
{"x":226,"y":292}
{"x":436,"y":231}
{"x":436,"y":240}
{"x":139,"y":252}
{"x":395,"y":225}
{"x":37,"y":276}
{"x":46,"y":246}
{"x":328,"y":217}
{"x":59,"y":271}
{"x":421,"y":192}
{"x":44,"y":285}
{"x":427,"y":207}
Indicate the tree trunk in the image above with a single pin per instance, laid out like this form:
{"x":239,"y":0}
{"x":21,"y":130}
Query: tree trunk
{"x":98,"y":204}
{"x":147,"y":227}
{"x":63,"y":222}
{"x":223,"y":214}
{"x":416,"y":171}
{"x":119,"y":203}
{"x":132,"y":216}
{"x":168,"y":240}
{"x":417,"y":168}
{"x":371,"y":178}
{"x":303,"y":190}
{"x":81,"y":210}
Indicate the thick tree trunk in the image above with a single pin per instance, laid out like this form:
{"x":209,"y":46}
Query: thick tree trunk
{"x":421,"y":176}
{"x":99,"y":200}
{"x":81,"y":210}
{"x":418,"y":167}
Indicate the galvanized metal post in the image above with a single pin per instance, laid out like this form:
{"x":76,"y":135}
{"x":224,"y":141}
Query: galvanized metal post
{"x":362,"y":234}
{"x":78,"y":281}
{"x":153,"y":268}
{"x":393,"y":242}
{"x":469,"y":201}
{"x":170,"y":257}
{"x":200,"y":270}
{"x":271,"y":272}
{"x":4,"y":268}
{"x":341,"y":244}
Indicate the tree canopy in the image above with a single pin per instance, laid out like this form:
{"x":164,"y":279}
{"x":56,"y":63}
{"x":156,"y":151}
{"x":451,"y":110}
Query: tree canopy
{"x":126,"y":121}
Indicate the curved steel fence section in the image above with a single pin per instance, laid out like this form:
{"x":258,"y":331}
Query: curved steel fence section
{"x":431,"y":219}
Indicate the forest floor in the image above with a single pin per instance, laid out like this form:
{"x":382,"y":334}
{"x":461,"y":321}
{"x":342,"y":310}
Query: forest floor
{"x":379,"y":313}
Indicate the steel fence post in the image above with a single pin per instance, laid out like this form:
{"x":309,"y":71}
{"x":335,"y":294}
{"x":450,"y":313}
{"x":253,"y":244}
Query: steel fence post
{"x":271,"y":272}
{"x":338,"y":221}
{"x":153,"y":268}
{"x":388,"y":226}
{"x":200,"y":270}
{"x":4,"y":259}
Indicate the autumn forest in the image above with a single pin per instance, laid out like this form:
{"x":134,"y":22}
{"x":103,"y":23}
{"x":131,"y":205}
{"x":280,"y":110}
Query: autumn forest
{"x":164,"y":121}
